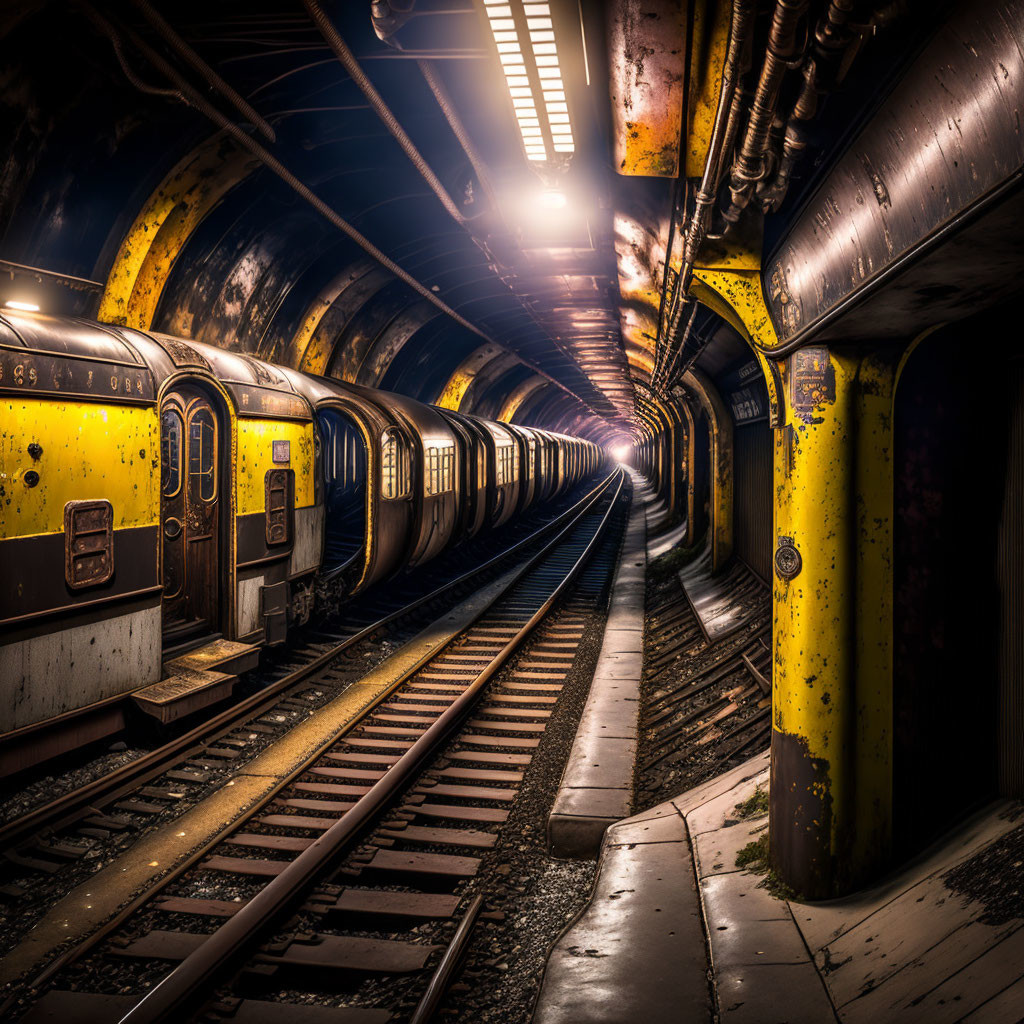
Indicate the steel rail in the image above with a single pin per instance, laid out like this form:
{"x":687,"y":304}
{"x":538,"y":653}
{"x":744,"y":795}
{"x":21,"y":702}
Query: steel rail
{"x":183,"y":985}
{"x":448,"y":965}
{"x":67,"y":807}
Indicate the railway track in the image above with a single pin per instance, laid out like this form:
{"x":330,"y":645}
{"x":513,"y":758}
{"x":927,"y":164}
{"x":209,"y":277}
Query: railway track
{"x":416,"y":789}
{"x":275,"y":700}
{"x":707,"y":702}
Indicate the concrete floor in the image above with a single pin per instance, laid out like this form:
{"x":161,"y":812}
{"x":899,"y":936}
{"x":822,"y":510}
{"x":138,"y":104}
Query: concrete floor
{"x":939,"y":940}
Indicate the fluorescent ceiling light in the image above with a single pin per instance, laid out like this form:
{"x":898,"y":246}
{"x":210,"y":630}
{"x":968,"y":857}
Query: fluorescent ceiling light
{"x":552,"y":199}
{"x":28,"y":307}
{"x":527,"y":67}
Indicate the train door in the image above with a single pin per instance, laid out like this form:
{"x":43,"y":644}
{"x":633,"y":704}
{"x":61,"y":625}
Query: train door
{"x":345,"y":488}
{"x":190,"y":518}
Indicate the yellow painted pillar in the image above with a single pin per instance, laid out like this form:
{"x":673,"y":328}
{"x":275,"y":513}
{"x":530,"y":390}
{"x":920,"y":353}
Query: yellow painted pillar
{"x":831,"y":787}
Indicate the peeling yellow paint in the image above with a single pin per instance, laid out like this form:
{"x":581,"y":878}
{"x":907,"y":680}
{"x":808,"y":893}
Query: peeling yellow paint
{"x":520,"y":395}
{"x":162,"y":227}
{"x":832,"y":622}
{"x":255,"y":439}
{"x":647,"y":73}
{"x":458,"y":384}
{"x":710,"y":41}
{"x":720,"y":421}
{"x":89,"y":452}
{"x":735,"y":293}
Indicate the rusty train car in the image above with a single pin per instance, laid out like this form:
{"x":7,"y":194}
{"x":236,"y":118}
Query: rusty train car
{"x":155,"y":491}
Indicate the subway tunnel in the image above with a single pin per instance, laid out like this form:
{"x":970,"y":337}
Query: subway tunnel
{"x":511,"y":511}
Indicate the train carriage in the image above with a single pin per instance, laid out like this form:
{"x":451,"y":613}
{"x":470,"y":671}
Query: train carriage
{"x":365,"y":475}
{"x":158,"y":493}
{"x":242,"y":530}
{"x":79,"y":516}
{"x":547,"y":460}
{"x":473,"y":480}
{"x":527,"y":442}
{"x":503,"y":473}
{"x":435,"y":482}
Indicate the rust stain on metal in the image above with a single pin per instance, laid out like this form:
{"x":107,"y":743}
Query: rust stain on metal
{"x":647,"y":51}
{"x":801,"y":806}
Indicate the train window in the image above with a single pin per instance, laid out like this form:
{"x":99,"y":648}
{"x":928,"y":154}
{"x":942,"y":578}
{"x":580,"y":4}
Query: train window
{"x":440,"y":473}
{"x":394,"y":465}
{"x":88,"y":543}
{"x":279,"y":486}
{"x":506,"y":465}
{"x":170,"y":453}
{"x":202,"y":455}
{"x":432,"y":473}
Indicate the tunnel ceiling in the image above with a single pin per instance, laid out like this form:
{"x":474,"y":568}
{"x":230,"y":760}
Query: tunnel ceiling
{"x":173,"y":222}
{"x":345,"y":189}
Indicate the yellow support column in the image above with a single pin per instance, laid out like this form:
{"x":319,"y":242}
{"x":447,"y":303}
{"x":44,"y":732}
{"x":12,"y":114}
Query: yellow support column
{"x":831,"y":787}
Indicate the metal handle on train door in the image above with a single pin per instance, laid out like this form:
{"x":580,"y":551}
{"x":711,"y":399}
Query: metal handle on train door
{"x":172,"y":527}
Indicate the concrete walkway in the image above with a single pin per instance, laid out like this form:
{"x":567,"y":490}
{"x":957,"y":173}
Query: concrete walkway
{"x":597,"y":785}
{"x":939,"y":941}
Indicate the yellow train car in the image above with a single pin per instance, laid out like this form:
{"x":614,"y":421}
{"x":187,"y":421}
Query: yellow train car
{"x":158,"y":494}
{"x":154,"y":491}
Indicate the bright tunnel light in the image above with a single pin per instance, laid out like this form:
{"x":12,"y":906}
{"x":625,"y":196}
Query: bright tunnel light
{"x":552,"y":199}
{"x":620,"y":452}
{"x":525,"y":40}
{"x":28,"y":307}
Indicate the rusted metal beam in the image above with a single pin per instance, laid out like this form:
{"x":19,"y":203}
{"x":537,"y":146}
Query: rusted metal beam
{"x":647,"y":64}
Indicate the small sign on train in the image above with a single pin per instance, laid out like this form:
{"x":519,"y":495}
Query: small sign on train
{"x":282,"y":451}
